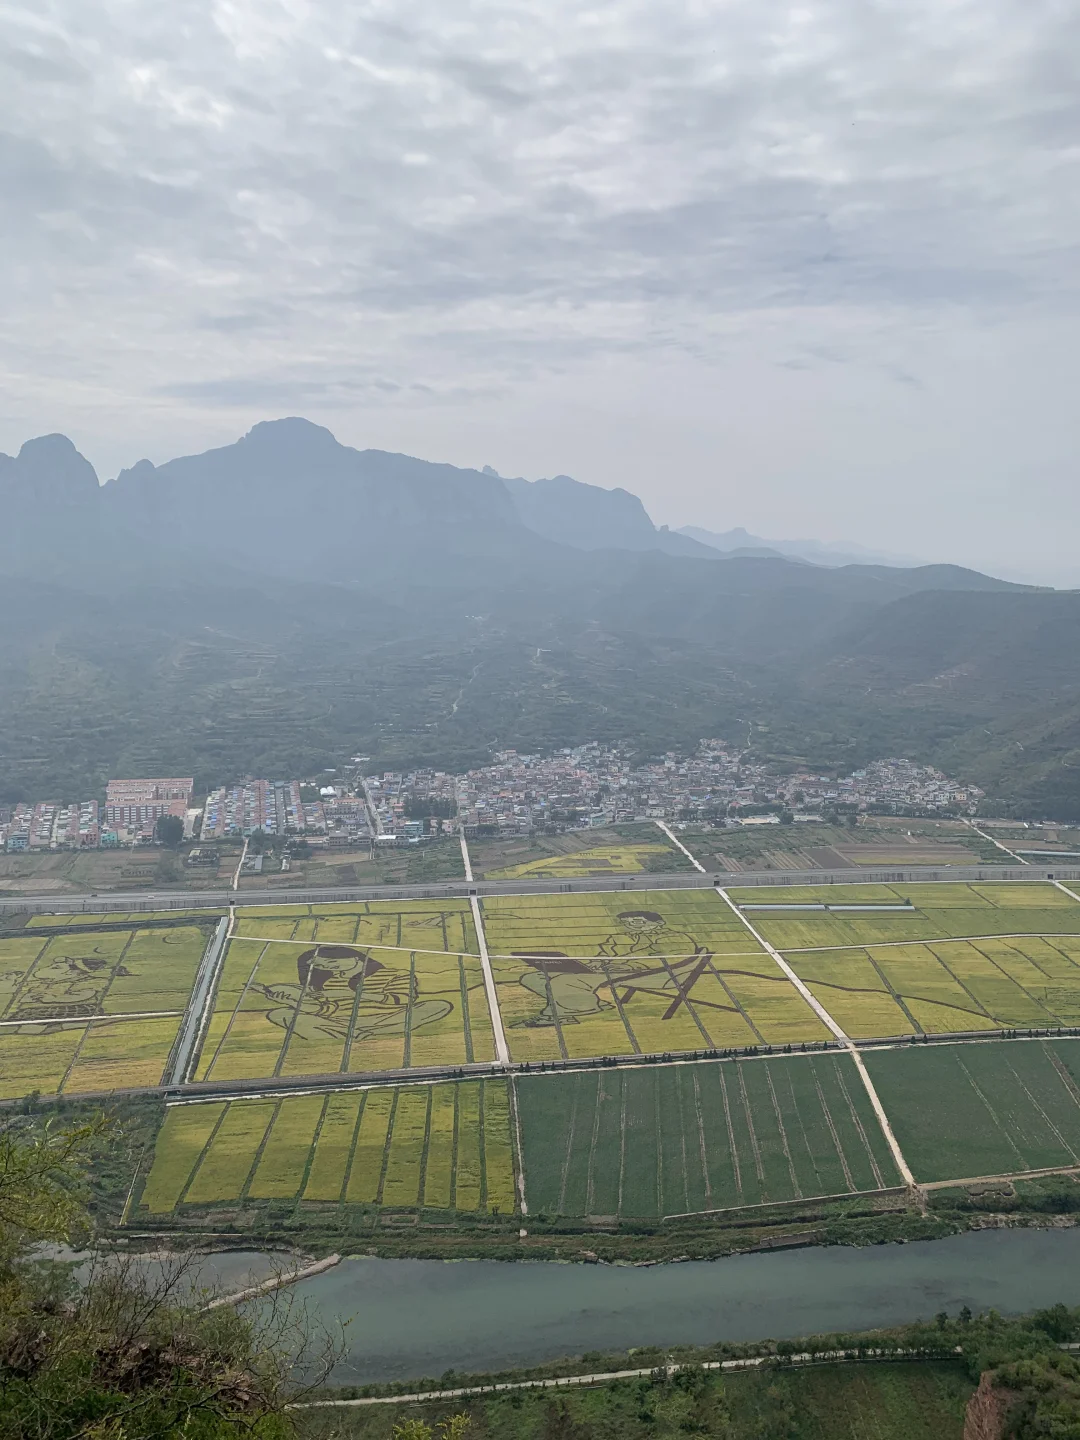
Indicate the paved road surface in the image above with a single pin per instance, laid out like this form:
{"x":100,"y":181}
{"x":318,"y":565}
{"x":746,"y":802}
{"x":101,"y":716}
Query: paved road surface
{"x":455,"y":889}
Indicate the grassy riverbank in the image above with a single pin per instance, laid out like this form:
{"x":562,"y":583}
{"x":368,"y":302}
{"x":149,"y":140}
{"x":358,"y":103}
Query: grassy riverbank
{"x":900,"y":1401}
{"x":903,"y":1383}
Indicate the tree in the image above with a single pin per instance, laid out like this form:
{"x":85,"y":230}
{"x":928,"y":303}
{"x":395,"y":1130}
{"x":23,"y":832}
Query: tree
{"x":169,"y":831}
{"x":123,"y":1354}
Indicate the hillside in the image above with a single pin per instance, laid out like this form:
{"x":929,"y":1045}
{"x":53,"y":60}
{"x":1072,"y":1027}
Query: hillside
{"x":273,"y":604}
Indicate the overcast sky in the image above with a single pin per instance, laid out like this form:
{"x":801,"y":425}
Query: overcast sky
{"x":808,"y":268}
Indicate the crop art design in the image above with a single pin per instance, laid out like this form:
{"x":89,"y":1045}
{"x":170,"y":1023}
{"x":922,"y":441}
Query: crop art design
{"x":338,"y":986}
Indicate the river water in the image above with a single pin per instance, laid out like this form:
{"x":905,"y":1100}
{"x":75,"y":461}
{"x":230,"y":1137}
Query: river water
{"x":414,"y":1318}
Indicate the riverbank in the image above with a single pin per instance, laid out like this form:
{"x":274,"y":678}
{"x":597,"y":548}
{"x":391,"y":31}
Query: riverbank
{"x":898,"y":1401}
{"x":914,"y":1382}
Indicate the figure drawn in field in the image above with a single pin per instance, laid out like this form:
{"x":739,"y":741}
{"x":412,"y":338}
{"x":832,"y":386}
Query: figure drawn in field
{"x":625,"y":962}
{"x":336,"y":982}
{"x":66,"y":987}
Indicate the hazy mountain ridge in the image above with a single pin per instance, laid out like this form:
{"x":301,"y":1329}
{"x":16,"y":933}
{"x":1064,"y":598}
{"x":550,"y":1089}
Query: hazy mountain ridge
{"x":811,"y":552}
{"x":214,"y":615}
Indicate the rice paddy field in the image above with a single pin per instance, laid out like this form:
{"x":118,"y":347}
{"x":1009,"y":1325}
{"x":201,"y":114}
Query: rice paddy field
{"x":605,"y":850}
{"x":956,"y":958}
{"x":647,"y":972}
{"x":91,"y":1011}
{"x":377,"y":986}
{"x":975,"y":1110}
{"x":601,"y":860}
{"x":708,"y":1135}
{"x":442,"y":1146}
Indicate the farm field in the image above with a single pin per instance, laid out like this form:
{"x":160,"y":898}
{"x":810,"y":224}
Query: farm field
{"x":445,"y":1146}
{"x":962,"y":957}
{"x":965,"y":1111}
{"x":412,"y":865}
{"x":993,"y":984}
{"x":708,"y":1135}
{"x":75,"y":872}
{"x":881,"y":841}
{"x":939,"y":911}
{"x":649,"y":972}
{"x":306,"y":990}
{"x":607,"y":850}
{"x":67,"y":1002}
{"x":113,"y":920}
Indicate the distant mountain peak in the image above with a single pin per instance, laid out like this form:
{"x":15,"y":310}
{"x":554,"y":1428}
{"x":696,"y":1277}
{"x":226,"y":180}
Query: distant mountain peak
{"x":51,"y":467}
{"x":293,"y":433}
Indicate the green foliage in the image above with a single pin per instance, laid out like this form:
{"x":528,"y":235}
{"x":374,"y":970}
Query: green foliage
{"x":169,"y":830}
{"x":41,"y":1173}
{"x":887,"y":1401}
{"x":128,"y":1349}
{"x":454,"y":1427}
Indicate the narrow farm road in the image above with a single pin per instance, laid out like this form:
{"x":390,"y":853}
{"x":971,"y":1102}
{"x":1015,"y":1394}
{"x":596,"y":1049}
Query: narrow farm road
{"x":502,"y":1050}
{"x":676,"y":841}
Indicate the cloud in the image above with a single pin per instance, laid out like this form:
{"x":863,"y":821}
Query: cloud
{"x":215,"y":204}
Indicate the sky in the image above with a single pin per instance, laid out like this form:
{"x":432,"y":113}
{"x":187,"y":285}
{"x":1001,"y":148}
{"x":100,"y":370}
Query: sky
{"x":810,"y":268}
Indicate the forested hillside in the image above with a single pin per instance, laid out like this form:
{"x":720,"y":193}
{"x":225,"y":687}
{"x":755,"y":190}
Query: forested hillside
{"x":282,"y":603}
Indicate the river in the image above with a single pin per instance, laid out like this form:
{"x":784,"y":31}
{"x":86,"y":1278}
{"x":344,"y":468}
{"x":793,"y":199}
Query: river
{"x":414,"y":1318}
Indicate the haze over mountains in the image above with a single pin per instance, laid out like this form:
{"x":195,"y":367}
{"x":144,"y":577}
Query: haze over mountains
{"x":282,"y":600}
{"x":285,"y":473}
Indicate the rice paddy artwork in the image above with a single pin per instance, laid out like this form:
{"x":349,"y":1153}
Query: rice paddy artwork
{"x":374,"y":988}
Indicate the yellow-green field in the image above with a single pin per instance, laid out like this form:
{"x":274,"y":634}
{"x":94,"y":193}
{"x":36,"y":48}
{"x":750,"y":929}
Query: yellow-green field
{"x":369,"y":987}
{"x":649,"y":972}
{"x":134,"y":917}
{"x":947,"y":986}
{"x":445,"y":1146}
{"x":603,"y":860}
{"x":964,"y":957}
{"x":941,"y":911}
{"x":54,"y":988}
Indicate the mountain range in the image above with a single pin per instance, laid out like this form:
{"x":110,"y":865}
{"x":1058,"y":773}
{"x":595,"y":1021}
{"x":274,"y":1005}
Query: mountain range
{"x":269,"y":605}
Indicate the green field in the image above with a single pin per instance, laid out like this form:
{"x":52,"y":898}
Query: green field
{"x":711,"y":1135}
{"x":53,"y":988}
{"x":445,"y":1146}
{"x":360,"y":988}
{"x":964,"y":1111}
{"x":649,"y":973}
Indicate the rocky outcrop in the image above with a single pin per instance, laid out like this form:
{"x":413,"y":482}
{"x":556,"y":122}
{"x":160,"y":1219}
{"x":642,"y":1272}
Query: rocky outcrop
{"x":988,"y":1410}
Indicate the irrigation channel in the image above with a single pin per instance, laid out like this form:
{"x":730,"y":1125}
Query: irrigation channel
{"x":413,"y":1318}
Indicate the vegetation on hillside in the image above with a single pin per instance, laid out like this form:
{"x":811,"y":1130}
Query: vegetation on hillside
{"x":114,"y":1348}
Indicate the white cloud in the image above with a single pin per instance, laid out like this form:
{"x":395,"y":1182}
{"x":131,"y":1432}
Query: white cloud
{"x":421,"y":218}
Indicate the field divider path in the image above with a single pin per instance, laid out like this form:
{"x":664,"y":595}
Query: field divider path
{"x":1065,"y":890}
{"x":365,"y":945}
{"x":660,"y":825}
{"x":110,"y":1016}
{"x":502,"y":1050}
{"x":197,"y":1015}
{"x":998,"y":843}
{"x":466,"y":859}
{"x":841,"y":1035}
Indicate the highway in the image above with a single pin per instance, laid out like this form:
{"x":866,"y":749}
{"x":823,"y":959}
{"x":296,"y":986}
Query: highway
{"x":142,"y":900}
